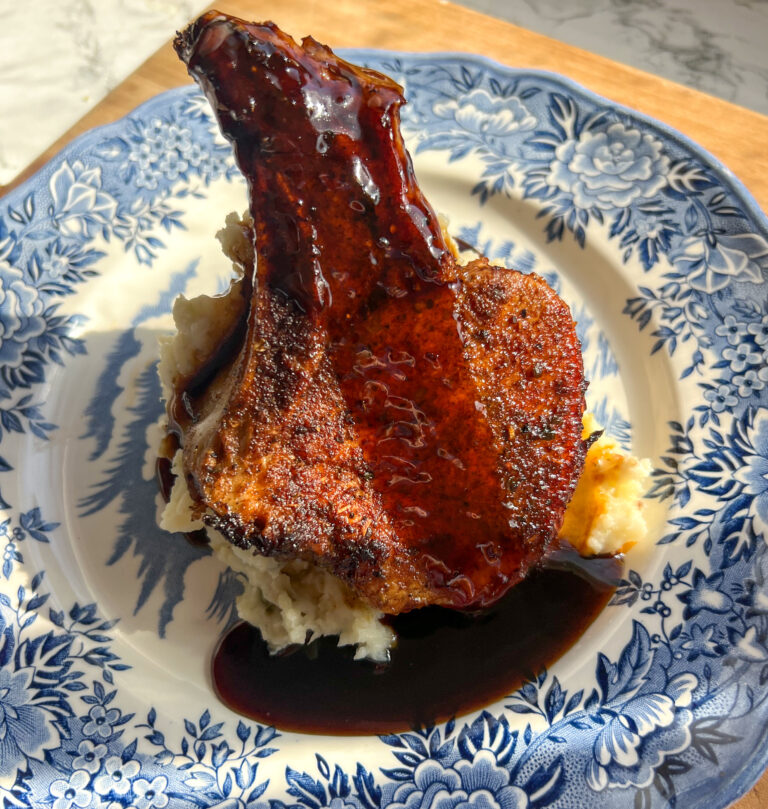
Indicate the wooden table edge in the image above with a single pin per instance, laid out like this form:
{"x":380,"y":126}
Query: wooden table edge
{"x":616,"y":82}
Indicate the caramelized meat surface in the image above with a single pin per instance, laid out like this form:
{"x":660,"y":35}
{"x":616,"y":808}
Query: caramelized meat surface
{"x":411,"y":425}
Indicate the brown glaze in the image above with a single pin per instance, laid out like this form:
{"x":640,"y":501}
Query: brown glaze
{"x":411,"y":425}
{"x":165,"y":480}
{"x":446,"y":663}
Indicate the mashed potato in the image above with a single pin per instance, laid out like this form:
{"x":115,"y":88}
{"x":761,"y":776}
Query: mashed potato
{"x":290,"y":602}
{"x":293,"y":602}
{"x":605,"y":515}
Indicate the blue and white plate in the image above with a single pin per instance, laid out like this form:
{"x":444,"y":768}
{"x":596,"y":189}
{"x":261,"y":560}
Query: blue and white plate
{"x":107,"y":624}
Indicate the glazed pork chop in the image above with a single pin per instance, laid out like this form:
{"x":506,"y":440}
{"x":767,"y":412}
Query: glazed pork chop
{"x":410,"y":425}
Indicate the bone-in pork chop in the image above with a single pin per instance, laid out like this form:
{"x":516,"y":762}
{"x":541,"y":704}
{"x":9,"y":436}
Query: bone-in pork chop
{"x":409,"y":424}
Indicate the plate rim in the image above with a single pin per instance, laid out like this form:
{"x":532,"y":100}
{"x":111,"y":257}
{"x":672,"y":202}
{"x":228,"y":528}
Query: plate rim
{"x":756,"y":764}
{"x":713,"y":163}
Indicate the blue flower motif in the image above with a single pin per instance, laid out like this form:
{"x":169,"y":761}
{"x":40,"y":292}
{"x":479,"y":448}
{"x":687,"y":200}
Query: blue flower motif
{"x":90,"y":756}
{"x":195,"y":155}
{"x":147,"y":178}
{"x":116,"y":779}
{"x":215,"y":166}
{"x":701,"y":641}
{"x":721,"y":398}
{"x":748,"y":383}
{"x":759,"y":331}
{"x":56,"y":261}
{"x":733,"y":330}
{"x":142,"y":153}
{"x":150,"y":794}
{"x":165,"y":151}
{"x":159,"y":151}
{"x":62,"y":261}
{"x":641,"y":734}
{"x":173,"y":165}
{"x":486,"y":116}
{"x":747,"y":645}
{"x":173,"y":138}
{"x":706,"y":594}
{"x":653,"y":236}
{"x":755,"y":596}
{"x":101,"y":721}
{"x":480,"y":782}
{"x":741,"y":357}
{"x":80,"y":207}
{"x":23,"y":725}
{"x":753,"y":471}
{"x":73,"y":792}
{"x":736,"y":257}
{"x":21,"y":316}
{"x":610,"y":168}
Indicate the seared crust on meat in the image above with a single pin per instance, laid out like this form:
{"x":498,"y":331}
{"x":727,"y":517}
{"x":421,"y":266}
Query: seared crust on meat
{"x":410,"y":425}
{"x":521,"y":346}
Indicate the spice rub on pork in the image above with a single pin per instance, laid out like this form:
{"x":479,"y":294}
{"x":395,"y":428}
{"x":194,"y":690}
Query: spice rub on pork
{"x":411,"y":425}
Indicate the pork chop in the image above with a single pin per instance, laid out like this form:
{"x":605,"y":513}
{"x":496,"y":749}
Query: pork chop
{"x":411,"y":425}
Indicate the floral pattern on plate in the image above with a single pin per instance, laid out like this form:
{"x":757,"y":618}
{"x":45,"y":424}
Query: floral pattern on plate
{"x":664,"y":702}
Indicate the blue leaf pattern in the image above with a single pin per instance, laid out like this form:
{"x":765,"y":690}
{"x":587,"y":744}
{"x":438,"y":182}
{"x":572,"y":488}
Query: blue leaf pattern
{"x":687,"y":683}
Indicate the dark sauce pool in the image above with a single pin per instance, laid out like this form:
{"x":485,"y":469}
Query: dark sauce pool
{"x":400,"y":348}
{"x":445,"y":664}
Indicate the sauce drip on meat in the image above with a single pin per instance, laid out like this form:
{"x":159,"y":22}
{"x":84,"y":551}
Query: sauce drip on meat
{"x":412,"y":426}
{"x":446,"y":663}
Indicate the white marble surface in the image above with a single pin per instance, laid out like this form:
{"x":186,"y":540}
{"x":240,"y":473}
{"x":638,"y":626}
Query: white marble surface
{"x":48,"y":82}
{"x":58,"y":58}
{"x":717,"y":46}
